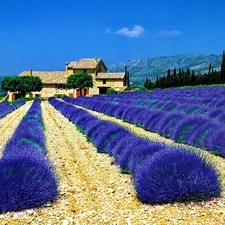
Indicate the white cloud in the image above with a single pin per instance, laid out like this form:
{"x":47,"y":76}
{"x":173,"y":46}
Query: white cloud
{"x":169,"y":33}
{"x":137,"y":31}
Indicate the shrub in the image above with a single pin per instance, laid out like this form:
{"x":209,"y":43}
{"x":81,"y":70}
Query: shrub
{"x":221,"y":118}
{"x":186,"y":127}
{"x":6,"y":108}
{"x":125,"y":144}
{"x":140,"y":116}
{"x":105,"y":136}
{"x":111,"y":110}
{"x":133,"y":114}
{"x":15,"y":149}
{"x":82,"y":120}
{"x":4,"y":104}
{"x":141,"y":152}
{"x":127,"y":153}
{"x":26,"y":177}
{"x":215,"y":113}
{"x":25,"y":183}
{"x":168,"y":122}
{"x":200,"y":136}
{"x":93,"y":126}
{"x":87,"y":125}
{"x":153,"y":120}
{"x":126,"y":112}
{"x":175,"y":176}
{"x":215,"y":142}
{"x":119,"y":111}
{"x":30,"y":136}
{"x":99,"y":130}
{"x":170,"y":106}
{"x":120,"y":136}
{"x":59,"y":95}
{"x":111,"y":91}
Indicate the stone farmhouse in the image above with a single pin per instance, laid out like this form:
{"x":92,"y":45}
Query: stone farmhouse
{"x":54,"y":82}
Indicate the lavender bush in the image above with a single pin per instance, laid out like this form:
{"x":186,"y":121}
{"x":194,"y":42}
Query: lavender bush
{"x":175,"y":176}
{"x":26,"y":176}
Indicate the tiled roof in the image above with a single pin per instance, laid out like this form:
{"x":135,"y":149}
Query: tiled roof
{"x":55,"y":77}
{"x":110,"y":75}
{"x":85,"y":64}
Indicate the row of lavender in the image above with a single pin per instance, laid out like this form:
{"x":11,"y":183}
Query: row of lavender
{"x":194,"y":130}
{"x":175,"y":100}
{"x":26,"y":176}
{"x":211,"y":109}
{"x":6,"y":108}
{"x":205,"y":96}
{"x":161,"y":173}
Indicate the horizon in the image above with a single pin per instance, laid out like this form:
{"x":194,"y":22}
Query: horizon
{"x":43,"y":35}
{"x":120,"y":62}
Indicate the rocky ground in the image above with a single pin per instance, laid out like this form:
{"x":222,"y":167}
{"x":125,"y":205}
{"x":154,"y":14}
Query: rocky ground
{"x":92,"y":190}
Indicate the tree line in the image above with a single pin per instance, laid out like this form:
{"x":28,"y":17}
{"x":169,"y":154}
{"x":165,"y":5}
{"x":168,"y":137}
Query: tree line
{"x":184,"y":78}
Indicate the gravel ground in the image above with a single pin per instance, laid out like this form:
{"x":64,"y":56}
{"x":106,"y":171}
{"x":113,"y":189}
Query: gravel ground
{"x":93,"y":191}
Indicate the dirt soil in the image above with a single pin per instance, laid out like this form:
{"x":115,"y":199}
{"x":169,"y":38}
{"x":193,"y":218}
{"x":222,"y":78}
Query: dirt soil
{"x":92,"y":190}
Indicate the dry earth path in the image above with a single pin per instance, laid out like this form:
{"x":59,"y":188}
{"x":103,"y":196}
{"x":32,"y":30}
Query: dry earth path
{"x":92,"y":191}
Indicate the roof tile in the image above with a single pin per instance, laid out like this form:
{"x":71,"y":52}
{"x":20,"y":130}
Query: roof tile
{"x":85,"y":64}
{"x":54,"y":77}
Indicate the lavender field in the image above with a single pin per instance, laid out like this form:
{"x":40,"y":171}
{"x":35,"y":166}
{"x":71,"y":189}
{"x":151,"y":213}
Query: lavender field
{"x":129,"y":158}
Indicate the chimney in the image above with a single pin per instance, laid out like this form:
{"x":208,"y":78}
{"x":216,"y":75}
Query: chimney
{"x":30,"y":72}
{"x":96,"y":59}
{"x":66,"y":68}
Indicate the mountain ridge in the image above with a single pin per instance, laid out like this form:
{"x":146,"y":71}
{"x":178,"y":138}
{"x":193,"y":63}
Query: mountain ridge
{"x":151,"y":67}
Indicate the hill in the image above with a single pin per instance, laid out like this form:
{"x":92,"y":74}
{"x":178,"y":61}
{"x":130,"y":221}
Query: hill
{"x":149,"y":67}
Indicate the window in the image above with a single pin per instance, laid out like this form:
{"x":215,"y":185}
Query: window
{"x":104,"y":81}
{"x":60,"y":86}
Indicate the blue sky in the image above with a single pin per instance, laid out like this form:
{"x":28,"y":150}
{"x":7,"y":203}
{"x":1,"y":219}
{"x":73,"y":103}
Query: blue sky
{"x":44,"y":34}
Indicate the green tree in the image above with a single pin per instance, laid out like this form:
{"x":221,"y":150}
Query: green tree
{"x":111,"y":91}
{"x":187,"y":77}
{"x":222,"y":73}
{"x":210,"y":67}
{"x":148,"y":84}
{"x":174,"y":82}
{"x":168,"y":78}
{"x":175,"y":71}
{"x":193,"y":78}
{"x":79,"y":81}
{"x":157,"y":81}
{"x":7,"y":84}
{"x":22,"y":84}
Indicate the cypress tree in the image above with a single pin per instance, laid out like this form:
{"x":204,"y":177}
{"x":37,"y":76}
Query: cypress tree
{"x":157,"y":81}
{"x":222,"y":72}
{"x":210,"y":67}
{"x":168,"y":79}
{"x":193,"y":78}
{"x":175,"y":82}
{"x":175,"y":72}
{"x":148,"y":84}
{"x":187,"y":76}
